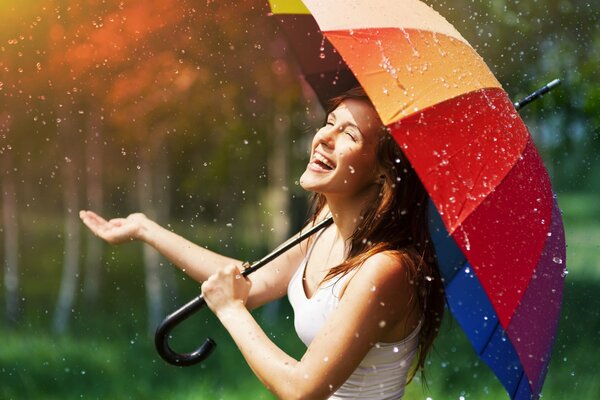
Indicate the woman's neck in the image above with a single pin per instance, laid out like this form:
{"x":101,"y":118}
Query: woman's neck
{"x":347,"y":212}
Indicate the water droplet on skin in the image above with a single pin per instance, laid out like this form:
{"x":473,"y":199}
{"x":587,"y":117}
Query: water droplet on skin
{"x":351,"y":168}
{"x":382,"y":324}
{"x":325,"y":359}
{"x":373,"y":288}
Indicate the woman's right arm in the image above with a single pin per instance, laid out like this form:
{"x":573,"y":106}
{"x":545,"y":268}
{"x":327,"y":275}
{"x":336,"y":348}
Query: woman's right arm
{"x":199,"y":263}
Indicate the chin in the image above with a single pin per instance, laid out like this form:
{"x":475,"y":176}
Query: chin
{"x":309,"y":183}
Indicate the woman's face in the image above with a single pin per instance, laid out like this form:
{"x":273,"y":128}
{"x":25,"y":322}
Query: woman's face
{"x":344,"y":152}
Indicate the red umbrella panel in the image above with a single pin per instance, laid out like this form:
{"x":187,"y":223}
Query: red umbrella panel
{"x":496,"y":226}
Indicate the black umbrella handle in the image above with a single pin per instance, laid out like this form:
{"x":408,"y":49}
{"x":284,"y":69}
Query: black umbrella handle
{"x":161,"y":338}
{"x":537,"y":94}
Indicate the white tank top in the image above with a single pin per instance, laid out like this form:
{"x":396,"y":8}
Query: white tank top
{"x":382,"y":374}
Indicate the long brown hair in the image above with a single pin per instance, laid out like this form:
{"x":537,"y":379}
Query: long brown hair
{"x":396,"y":222}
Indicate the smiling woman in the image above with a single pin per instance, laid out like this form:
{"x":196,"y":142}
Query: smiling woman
{"x":366,"y":293}
{"x":343,"y":155}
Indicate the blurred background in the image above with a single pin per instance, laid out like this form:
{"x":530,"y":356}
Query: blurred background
{"x":193,"y":113}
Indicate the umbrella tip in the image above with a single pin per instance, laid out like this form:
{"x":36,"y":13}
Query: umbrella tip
{"x":554,"y":83}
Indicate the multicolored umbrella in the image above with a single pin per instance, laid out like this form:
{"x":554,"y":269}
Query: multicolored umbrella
{"x":495,"y":223}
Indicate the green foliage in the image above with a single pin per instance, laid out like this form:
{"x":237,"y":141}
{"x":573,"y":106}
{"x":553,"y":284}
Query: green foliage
{"x":109,"y":355}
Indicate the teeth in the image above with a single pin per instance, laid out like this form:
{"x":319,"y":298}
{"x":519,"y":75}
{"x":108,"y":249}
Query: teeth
{"x":322,"y":159}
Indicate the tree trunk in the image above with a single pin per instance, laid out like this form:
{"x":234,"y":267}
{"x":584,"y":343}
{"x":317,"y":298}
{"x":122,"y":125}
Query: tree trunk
{"x":70,"y":273}
{"x":95,"y":199}
{"x":162,"y":192}
{"x":11,"y":241}
{"x":151,"y":257}
{"x":278,"y":195}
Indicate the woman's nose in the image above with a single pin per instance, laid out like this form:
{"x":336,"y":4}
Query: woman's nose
{"x":326,"y":135}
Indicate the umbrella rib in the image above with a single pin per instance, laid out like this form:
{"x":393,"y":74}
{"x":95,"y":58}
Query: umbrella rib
{"x":481,"y":353}
{"x":477,"y":179}
{"x":513,"y":394}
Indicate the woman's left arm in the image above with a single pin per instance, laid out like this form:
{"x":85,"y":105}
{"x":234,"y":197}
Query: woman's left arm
{"x":374,"y":301}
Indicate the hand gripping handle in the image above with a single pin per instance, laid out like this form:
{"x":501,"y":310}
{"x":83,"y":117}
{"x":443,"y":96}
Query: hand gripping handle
{"x":161,"y":338}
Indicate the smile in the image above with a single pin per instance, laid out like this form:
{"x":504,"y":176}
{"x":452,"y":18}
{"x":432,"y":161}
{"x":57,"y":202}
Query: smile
{"x":322,"y":161}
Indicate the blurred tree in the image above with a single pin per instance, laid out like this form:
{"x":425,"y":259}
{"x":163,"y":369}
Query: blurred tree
{"x":529,"y":44}
{"x":21,"y":61}
{"x":206,"y":100}
{"x":10,"y":226}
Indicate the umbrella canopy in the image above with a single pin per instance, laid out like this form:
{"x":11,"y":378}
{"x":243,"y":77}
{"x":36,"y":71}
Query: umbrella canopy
{"x":495,"y":223}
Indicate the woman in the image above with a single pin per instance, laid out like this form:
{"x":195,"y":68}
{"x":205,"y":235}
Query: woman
{"x":366,"y":292}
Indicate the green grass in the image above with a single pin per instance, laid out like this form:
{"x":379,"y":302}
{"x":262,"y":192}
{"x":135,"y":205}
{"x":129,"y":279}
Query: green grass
{"x":109,"y":355}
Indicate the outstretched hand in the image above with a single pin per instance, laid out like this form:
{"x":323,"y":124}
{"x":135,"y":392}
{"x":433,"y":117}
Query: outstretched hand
{"x":116,"y":230}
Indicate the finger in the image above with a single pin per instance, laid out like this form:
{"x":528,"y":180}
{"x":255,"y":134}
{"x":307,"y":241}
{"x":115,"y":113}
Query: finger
{"x":231,"y":269}
{"x":98,"y":219}
{"x":93,"y":221}
{"x":92,"y":225}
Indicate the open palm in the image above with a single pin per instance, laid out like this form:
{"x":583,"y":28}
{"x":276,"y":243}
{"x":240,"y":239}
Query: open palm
{"x":116,"y":230}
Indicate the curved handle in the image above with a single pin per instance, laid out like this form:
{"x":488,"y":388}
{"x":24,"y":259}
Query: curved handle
{"x":161,"y":337}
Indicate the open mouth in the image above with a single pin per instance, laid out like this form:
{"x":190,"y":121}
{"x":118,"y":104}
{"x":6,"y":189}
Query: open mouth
{"x":323,"y":162}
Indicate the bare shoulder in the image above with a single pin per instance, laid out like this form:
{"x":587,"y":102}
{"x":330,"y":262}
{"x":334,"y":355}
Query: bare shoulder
{"x":385,"y":268}
{"x":383,"y":289}
{"x":385,"y":273}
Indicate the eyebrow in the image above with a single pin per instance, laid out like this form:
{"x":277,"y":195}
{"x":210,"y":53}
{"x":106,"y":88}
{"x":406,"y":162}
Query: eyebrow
{"x":351,"y":124}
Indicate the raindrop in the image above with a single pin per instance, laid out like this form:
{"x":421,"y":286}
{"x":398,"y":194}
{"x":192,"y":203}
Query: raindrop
{"x":395,"y":349}
{"x":382,"y":324}
{"x":351,"y":168}
{"x":322,"y":48}
{"x":557,"y":260}
{"x":325,"y":359}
